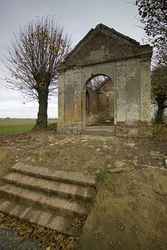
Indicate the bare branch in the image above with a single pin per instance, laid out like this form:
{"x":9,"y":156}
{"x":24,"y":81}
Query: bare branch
{"x":33,"y":60}
{"x":35,"y":55}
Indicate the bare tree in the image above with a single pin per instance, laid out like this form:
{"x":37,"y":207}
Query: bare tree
{"x":33,"y":60}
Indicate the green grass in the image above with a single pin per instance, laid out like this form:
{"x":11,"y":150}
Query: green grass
{"x":17,"y":126}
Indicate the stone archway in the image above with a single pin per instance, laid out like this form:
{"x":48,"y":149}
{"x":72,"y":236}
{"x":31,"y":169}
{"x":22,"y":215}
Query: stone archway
{"x":104,"y":51}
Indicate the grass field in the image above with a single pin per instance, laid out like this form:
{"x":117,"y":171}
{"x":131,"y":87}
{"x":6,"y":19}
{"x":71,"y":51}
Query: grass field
{"x":16,"y":126}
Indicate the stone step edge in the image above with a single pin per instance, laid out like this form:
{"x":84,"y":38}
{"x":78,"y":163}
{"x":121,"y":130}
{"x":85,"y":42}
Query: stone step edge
{"x":99,"y":134}
{"x":92,"y":132}
{"x":51,"y":191}
{"x":51,"y":176}
{"x":93,"y":129}
{"x":64,"y":210}
{"x":23,"y":216}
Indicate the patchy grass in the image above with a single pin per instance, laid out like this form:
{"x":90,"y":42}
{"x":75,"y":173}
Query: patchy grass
{"x":103,"y":176}
{"x":129,"y":213}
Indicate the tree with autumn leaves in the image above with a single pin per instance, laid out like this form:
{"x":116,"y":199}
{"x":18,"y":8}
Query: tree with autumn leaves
{"x":153,"y":14}
{"x":159,"y":90}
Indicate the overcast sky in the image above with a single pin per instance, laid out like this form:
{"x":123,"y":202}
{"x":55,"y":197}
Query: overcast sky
{"x":77,"y":17}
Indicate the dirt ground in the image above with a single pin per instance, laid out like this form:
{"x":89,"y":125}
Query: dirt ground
{"x":131,"y":207}
{"x":88,"y":154}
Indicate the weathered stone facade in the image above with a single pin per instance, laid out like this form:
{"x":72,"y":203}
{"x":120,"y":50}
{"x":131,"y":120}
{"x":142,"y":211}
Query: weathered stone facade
{"x":105,"y":51}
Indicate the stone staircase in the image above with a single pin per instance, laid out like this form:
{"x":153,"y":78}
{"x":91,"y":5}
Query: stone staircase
{"x":58,"y":200}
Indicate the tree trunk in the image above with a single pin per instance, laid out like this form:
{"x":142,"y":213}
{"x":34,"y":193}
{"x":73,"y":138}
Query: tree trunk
{"x":160,"y":111}
{"x":42,"y":118}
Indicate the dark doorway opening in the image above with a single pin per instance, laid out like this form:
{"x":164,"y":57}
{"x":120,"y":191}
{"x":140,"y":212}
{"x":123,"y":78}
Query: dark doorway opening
{"x":99,"y":101}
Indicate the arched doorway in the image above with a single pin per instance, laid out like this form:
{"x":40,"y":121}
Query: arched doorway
{"x":99,"y":100}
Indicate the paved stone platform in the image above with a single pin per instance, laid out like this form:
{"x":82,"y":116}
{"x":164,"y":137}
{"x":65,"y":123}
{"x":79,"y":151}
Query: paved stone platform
{"x":53,"y":199}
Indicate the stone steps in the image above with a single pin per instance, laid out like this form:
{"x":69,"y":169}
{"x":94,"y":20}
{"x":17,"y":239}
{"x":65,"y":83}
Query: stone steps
{"x":54,"y":199}
{"x":66,"y":206}
{"x":55,"y":175}
{"x":64,"y":190}
{"x":40,"y":217}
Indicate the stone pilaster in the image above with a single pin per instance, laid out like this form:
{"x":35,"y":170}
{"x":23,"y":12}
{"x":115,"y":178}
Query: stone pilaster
{"x":145,"y":91}
{"x":61,"y":81}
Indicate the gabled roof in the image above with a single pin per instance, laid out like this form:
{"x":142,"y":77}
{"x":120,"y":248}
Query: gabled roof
{"x":104,"y":28}
{"x":109,"y":32}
